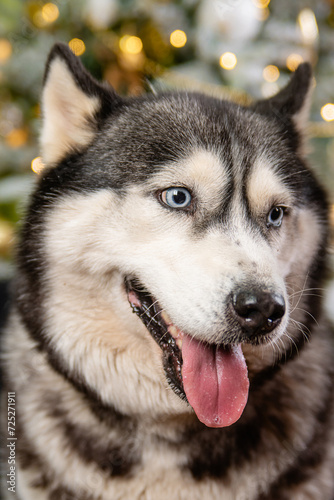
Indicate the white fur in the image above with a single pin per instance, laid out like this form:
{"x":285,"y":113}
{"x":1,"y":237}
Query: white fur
{"x":265,"y":188}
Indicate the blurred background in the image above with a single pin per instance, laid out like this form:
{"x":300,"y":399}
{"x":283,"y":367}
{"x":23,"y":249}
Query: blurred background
{"x":239,"y":49}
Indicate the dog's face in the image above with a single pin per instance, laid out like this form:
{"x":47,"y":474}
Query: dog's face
{"x":202,"y":208}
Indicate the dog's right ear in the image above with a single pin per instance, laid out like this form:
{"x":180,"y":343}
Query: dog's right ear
{"x":73,"y":105}
{"x":291,"y":105}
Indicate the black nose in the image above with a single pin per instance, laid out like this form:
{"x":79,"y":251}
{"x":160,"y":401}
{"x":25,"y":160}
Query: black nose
{"x":258,"y":311}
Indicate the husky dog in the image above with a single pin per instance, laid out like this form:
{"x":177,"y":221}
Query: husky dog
{"x":201,"y":217}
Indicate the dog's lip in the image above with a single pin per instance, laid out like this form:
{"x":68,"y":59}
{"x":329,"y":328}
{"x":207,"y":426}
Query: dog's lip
{"x":162,"y":329}
{"x":173,"y":330}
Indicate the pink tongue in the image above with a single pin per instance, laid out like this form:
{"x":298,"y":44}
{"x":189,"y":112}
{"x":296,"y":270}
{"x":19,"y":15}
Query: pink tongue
{"x":215,"y":382}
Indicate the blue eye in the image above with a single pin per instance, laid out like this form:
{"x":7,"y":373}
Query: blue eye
{"x":275,"y":216}
{"x":176,"y":197}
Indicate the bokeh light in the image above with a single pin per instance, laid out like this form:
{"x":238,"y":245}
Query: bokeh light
{"x":50,"y":12}
{"x":130,"y":44}
{"x":37,"y":165}
{"x":5,"y":50}
{"x":327,"y":112}
{"x":17,"y":138}
{"x":308,"y":25}
{"x":178,"y":38}
{"x":228,"y":60}
{"x":77,"y":46}
{"x":293,"y":61}
{"x":271,"y":73}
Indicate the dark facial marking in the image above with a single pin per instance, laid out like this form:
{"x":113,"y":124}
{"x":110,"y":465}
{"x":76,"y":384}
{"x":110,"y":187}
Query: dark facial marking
{"x":62,"y":492}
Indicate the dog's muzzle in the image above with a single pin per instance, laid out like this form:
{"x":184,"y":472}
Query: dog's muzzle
{"x":212,"y":377}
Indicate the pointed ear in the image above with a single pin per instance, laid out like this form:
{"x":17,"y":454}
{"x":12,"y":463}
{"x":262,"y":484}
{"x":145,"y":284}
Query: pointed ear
{"x":291,"y":106}
{"x":73,"y":105}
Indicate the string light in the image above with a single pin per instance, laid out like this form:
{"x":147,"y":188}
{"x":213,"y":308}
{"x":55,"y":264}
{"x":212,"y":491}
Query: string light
{"x":37,"y":165}
{"x":77,"y":46}
{"x":228,"y":60}
{"x":50,"y":13}
{"x":327,"y":112}
{"x":178,"y":38}
{"x":293,"y":61}
{"x":17,"y":138}
{"x":308,"y":25}
{"x":271,"y":73}
{"x":5,"y":50}
{"x":130,"y":44}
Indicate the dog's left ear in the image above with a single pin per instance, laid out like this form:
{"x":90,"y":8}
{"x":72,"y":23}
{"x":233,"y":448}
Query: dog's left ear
{"x":291,"y":105}
{"x":74,"y":105}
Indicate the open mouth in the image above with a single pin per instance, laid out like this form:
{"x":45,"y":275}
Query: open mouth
{"x":168,"y":337}
{"x":212,"y":378}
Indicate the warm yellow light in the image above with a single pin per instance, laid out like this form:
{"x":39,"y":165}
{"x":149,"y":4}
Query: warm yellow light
{"x":261,"y":4}
{"x":327,"y":112}
{"x":271,"y":73}
{"x":228,"y":60}
{"x":269,"y":89}
{"x":130,"y":44}
{"x":17,"y":138}
{"x":37,"y":165}
{"x":77,"y":46}
{"x":50,"y":13}
{"x":178,"y":39}
{"x":293,"y":61}
{"x":5,"y":50}
{"x":38,"y":19}
{"x":308,"y":25}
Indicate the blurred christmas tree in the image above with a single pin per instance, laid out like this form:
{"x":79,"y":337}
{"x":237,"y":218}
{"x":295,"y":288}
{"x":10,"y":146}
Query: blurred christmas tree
{"x":233,"y":48}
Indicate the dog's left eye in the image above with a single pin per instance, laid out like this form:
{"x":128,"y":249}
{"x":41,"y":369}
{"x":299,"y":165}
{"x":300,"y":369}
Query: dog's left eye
{"x":176,"y":197}
{"x":275,"y":216}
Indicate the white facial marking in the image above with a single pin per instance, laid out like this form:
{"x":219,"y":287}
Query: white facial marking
{"x":265,"y":187}
{"x":202,"y":172}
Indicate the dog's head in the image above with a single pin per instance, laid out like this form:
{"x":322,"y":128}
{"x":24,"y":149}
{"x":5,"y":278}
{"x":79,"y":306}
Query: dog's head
{"x":205,"y":211}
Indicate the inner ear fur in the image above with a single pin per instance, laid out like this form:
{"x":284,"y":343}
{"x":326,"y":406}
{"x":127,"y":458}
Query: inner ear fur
{"x":74,"y":105}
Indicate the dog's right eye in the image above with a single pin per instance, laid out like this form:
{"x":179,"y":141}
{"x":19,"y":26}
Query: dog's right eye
{"x":275,"y":216}
{"x":176,"y":197}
